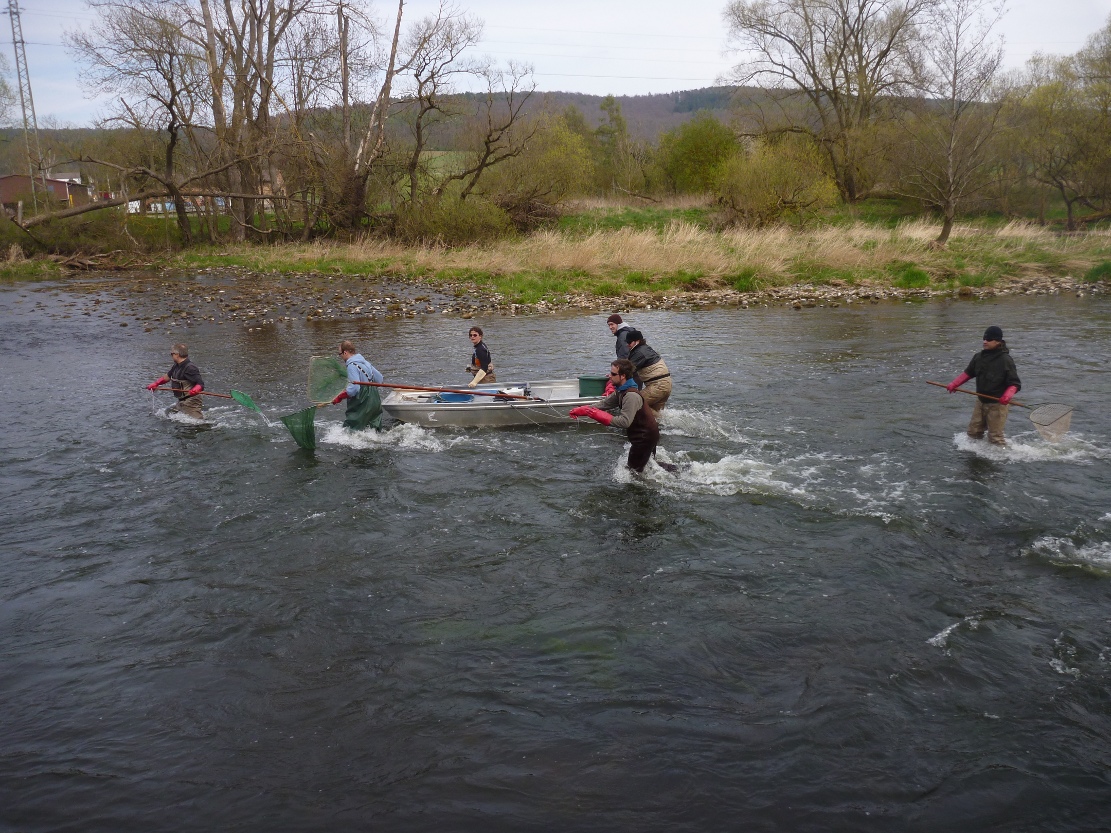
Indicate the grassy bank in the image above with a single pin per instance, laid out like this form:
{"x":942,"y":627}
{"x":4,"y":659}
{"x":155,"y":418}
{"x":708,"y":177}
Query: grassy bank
{"x":610,"y":251}
{"x":682,"y":256}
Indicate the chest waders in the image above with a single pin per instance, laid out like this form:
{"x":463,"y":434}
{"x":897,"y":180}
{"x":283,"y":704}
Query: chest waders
{"x":364,"y":408}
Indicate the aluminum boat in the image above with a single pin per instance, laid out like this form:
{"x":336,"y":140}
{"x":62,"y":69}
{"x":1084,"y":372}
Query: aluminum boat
{"x":546,"y":402}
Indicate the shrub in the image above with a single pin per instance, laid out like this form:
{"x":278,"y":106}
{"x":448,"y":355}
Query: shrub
{"x":774,"y":182}
{"x":450,"y":221}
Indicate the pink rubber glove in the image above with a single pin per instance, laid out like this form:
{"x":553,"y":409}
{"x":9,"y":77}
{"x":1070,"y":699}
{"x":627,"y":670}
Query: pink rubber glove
{"x":193,"y":391}
{"x":598,"y":415}
{"x":956,"y":383}
{"x":1007,"y":395}
{"x":339,"y":397}
{"x":153,"y":385}
{"x":580,"y":411}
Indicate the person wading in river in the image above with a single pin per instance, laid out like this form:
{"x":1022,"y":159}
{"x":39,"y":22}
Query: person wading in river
{"x":996,"y":375}
{"x":651,"y":372}
{"x":633,"y":415}
{"x":363,"y":403}
{"x":185,"y":381}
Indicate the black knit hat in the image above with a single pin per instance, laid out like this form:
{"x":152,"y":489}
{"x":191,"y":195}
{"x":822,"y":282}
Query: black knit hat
{"x":634,"y":335}
{"x":993,"y":333}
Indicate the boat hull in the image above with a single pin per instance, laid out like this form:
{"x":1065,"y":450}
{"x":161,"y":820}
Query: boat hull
{"x":553,"y":398}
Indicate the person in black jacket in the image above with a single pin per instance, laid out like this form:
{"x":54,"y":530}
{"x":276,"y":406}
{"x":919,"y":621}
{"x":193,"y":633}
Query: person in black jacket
{"x":185,"y":381}
{"x":481,"y":364}
{"x":651,"y":371}
{"x":996,"y":376}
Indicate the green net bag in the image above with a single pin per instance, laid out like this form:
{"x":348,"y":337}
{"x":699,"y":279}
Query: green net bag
{"x":302,"y":425}
{"x":327,"y":377}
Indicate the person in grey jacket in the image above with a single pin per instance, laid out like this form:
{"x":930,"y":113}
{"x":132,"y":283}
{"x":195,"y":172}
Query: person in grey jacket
{"x":996,"y":376}
{"x":621,"y":330}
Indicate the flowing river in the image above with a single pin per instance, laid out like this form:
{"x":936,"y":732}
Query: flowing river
{"x":841,"y":614}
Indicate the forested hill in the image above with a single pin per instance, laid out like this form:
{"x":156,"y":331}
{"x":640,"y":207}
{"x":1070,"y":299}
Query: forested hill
{"x":646,"y":116}
{"x":649,"y":115}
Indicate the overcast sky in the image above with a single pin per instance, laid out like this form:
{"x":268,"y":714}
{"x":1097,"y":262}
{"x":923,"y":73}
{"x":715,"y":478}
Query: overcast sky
{"x":624,"y":47}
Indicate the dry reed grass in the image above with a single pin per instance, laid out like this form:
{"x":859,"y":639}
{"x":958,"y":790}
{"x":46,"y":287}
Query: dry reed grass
{"x":681,"y":251}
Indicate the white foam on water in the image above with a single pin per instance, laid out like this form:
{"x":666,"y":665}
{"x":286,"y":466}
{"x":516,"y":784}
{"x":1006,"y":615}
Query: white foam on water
{"x":182,"y":419}
{"x":941,"y":640}
{"x":1061,"y":668}
{"x":1029,"y":447}
{"x":705,"y":425}
{"x":730,"y":475}
{"x":403,"y":435}
{"x":1069,"y":553}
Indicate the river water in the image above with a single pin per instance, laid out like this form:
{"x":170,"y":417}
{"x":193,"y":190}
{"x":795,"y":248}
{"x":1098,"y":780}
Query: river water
{"x":840,"y":615}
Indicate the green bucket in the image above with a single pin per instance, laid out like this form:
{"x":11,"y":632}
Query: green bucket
{"x":592,"y":385}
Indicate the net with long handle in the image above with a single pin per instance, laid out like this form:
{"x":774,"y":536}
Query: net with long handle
{"x":1052,"y":421}
{"x":327,"y":377}
{"x":302,"y":425}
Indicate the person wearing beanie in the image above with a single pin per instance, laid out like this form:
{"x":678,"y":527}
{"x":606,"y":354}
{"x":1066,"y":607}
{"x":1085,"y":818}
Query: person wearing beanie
{"x":620,"y":329}
{"x":996,"y":377}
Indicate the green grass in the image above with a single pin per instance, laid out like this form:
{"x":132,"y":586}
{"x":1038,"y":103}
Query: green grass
{"x":1099,"y":272}
{"x":641,"y":219}
{"x":29,"y":270}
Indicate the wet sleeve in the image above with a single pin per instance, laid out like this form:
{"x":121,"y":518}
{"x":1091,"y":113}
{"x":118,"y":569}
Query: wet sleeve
{"x":633,"y":403}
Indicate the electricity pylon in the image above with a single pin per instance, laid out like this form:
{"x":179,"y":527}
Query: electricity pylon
{"x":30,"y":125}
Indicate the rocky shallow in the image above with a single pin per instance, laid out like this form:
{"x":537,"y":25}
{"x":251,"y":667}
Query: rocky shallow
{"x":241,"y":298}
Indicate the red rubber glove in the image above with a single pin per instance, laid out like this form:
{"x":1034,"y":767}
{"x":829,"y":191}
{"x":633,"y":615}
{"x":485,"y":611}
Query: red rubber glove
{"x":598,"y":415}
{"x":339,"y":397}
{"x":956,"y":383}
{"x":1007,"y":395}
{"x":193,"y":391}
{"x":153,"y":385}
{"x":580,"y":411}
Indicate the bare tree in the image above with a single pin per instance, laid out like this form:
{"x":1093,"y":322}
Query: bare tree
{"x":843,"y":58}
{"x":137,"y":50}
{"x":436,"y":46}
{"x":949,"y":129}
{"x":502,"y":133}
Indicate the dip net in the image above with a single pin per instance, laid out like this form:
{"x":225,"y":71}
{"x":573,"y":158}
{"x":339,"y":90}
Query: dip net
{"x":327,"y":377}
{"x":1052,"y":421}
{"x":302,"y":425}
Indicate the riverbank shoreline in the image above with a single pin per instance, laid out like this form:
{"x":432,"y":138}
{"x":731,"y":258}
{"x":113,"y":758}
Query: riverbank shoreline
{"x":177,"y":298}
{"x":676,"y":267}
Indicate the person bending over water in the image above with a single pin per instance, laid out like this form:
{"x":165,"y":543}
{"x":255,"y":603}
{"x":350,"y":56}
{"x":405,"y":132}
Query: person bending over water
{"x":633,"y":414}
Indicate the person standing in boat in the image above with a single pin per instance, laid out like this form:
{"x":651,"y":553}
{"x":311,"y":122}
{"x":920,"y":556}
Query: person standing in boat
{"x":364,"y":405}
{"x":185,"y":381}
{"x":651,"y":371}
{"x":633,"y":414}
{"x":996,"y":375}
{"x":481,"y":365}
